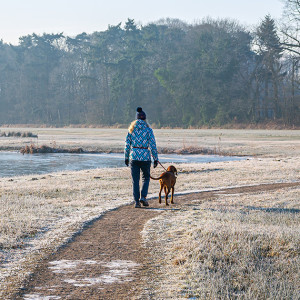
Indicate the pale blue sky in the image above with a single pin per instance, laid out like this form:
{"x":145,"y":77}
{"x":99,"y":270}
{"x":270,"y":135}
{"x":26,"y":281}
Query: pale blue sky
{"x":22,"y":17}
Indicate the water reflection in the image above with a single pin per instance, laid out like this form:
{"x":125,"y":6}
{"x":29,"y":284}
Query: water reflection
{"x":13,"y":163}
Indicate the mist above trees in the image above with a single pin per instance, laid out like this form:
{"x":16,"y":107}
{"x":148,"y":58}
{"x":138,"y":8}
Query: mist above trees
{"x":211,"y":73}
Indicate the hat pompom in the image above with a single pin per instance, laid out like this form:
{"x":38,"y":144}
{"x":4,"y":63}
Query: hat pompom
{"x":140,"y":114}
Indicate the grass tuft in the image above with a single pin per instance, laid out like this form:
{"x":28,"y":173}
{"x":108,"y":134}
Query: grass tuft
{"x":18,"y":134}
{"x":47,"y":149}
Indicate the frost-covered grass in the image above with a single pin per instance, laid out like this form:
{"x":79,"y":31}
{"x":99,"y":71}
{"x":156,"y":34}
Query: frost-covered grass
{"x":230,"y":247}
{"x":193,"y":177}
{"x":273,"y":143}
{"x":30,"y":204}
{"x":39,"y":213}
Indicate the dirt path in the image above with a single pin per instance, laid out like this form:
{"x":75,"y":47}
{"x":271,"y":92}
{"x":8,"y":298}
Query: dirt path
{"x":107,"y":260}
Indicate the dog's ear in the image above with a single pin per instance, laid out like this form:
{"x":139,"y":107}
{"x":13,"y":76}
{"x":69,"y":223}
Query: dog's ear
{"x":174,"y":170}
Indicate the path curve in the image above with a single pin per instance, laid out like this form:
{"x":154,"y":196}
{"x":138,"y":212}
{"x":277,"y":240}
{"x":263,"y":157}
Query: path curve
{"x":107,"y":260}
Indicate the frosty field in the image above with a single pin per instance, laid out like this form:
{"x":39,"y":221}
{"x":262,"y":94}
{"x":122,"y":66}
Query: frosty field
{"x":240,"y":142}
{"x":39,"y":213}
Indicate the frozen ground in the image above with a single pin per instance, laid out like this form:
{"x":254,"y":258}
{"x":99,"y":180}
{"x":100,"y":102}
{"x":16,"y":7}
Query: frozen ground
{"x":240,"y":142}
{"x":41,"y":212}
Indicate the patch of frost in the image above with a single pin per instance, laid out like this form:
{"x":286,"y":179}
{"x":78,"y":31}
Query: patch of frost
{"x":39,"y":297}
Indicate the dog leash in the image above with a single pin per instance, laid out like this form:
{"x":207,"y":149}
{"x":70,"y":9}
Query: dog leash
{"x":161,"y":165}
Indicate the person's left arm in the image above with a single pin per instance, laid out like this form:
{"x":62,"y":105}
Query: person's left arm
{"x":152,"y":145}
{"x":127,"y":148}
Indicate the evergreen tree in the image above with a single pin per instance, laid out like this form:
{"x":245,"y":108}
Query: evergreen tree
{"x":270,"y":53}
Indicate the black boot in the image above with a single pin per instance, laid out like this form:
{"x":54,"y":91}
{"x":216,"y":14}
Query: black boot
{"x":144,"y":201}
{"x":137,"y":204}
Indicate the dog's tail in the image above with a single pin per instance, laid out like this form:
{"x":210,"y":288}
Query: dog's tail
{"x":160,"y":177}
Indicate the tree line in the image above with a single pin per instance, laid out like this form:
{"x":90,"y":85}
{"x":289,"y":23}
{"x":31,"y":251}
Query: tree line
{"x":211,"y":73}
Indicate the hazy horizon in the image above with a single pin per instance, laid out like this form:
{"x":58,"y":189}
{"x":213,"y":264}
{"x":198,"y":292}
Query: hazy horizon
{"x":19,"y":18}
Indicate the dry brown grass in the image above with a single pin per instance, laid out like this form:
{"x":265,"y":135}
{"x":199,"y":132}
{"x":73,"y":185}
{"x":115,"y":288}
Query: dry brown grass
{"x":18,"y":134}
{"x":47,"y":149}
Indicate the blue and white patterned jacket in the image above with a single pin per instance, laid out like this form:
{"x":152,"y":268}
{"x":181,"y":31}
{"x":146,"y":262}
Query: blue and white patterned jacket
{"x":140,"y":142}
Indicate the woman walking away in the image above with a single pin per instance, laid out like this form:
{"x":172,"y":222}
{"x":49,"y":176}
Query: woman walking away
{"x":140,"y":141}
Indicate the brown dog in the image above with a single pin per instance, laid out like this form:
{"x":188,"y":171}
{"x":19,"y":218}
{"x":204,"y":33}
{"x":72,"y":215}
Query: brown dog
{"x":167,"y":182}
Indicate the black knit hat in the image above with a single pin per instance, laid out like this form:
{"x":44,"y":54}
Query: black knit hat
{"x":140,"y":114}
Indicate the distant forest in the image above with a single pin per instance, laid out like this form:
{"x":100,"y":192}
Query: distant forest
{"x":212,"y":73}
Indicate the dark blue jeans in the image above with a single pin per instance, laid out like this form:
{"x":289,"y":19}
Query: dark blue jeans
{"x":136,"y":167}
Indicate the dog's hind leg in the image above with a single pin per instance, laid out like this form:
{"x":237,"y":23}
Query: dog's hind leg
{"x":172,"y":195}
{"x":159,"y":195}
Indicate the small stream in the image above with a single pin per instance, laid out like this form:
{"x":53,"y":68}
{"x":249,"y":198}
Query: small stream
{"x":15,"y":164}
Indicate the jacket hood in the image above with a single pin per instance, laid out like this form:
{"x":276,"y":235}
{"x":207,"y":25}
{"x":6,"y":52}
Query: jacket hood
{"x":140,"y":124}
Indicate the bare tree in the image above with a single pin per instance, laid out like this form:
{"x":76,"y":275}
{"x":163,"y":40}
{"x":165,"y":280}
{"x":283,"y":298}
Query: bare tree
{"x":291,"y":26}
